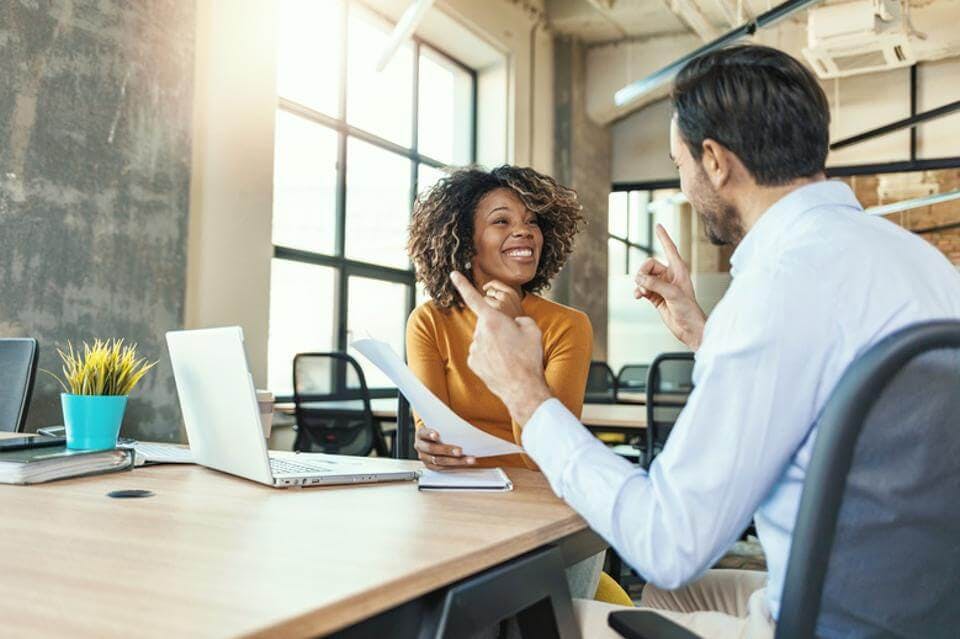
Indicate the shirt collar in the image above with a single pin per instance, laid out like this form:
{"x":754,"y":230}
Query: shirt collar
{"x":775,"y":219}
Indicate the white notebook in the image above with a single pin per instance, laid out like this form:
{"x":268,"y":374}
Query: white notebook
{"x":473,"y":479}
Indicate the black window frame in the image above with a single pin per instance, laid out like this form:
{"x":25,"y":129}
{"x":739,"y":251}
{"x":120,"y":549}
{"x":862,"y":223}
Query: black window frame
{"x":344,"y":266}
{"x":628,"y":244}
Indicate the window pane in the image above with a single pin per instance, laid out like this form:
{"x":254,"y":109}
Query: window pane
{"x":380,"y":103}
{"x":616,"y":257}
{"x":422,"y":295}
{"x":308,"y":59}
{"x":617,"y":207}
{"x":301,"y":317}
{"x":640,"y":218}
{"x":376,"y":309}
{"x":427,"y":176}
{"x":637,"y":257}
{"x":444,"y":109}
{"x":667,"y":213}
{"x":378,"y":205}
{"x":304,"y":189}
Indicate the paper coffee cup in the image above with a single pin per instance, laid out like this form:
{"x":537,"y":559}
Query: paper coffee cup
{"x":265,"y":403}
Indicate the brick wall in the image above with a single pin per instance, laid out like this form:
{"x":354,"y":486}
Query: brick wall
{"x":938,"y":224}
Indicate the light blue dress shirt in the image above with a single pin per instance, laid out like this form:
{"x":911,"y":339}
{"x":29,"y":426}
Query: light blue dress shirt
{"x":815,"y":282}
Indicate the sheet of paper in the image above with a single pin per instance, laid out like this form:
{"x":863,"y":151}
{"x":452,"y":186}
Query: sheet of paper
{"x":474,"y":479}
{"x":434,"y":413}
{"x":160,"y":453}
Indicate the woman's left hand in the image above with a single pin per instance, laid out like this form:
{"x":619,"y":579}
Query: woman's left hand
{"x":503,"y":298}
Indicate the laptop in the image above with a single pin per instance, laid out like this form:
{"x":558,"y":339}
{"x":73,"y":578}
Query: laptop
{"x":219,"y":406}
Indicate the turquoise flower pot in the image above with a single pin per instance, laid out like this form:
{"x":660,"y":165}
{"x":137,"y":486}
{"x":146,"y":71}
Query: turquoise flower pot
{"x":92,"y":421}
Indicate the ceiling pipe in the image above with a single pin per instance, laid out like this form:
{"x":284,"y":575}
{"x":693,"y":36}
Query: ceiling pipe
{"x":635,"y":90}
{"x":915,"y":203}
{"x":407,"y":24}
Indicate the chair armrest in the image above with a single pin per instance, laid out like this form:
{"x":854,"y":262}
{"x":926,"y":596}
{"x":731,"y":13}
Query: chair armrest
{"x":646,"y":624}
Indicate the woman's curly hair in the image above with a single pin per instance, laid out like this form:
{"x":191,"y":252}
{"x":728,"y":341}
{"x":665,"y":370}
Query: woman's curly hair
{"x":441,"y":229}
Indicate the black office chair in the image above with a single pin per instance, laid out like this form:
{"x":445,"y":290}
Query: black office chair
{"x":669,"y":384}
{"x":601,"y":384}
{"x":632,"y":378}
{"x":403,"y":446}
{"x":18,"y":369}
{"x":875,"y":549}
{"x":332,"y":407}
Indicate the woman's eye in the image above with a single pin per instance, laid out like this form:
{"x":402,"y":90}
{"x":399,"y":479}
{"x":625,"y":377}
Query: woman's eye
{"x":534,"y":221}
{"x":500,"y":221}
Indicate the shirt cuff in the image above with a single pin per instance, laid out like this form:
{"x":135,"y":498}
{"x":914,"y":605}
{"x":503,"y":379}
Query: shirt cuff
{"x":552,"y":436}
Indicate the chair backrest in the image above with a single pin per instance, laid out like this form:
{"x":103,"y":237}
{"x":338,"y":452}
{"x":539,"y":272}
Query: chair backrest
{"x":332,"y":405}
{"x":669,"y":383}
{"x":633,"y":377}
{"x":18,"y":368}
{"x":601,"y":384}
{"x":876,"y":547}
{"x":403,"y":447}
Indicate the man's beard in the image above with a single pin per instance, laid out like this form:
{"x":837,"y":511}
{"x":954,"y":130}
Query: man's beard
{"x":721,"y":220}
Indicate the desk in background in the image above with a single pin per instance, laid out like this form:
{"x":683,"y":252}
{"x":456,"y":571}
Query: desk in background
{"x":214,"y":555}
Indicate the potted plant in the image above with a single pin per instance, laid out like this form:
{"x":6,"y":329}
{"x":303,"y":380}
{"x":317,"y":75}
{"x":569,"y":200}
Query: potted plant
{"x":96,"y":382}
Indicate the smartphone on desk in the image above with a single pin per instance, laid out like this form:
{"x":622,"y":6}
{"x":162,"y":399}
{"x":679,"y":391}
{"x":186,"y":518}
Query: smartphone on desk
{"x":20,"y":443}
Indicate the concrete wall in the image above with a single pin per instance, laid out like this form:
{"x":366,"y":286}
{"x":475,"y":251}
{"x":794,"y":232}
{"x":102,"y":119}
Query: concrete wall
{"x":95,"y":109}
{"x":583,"y":154}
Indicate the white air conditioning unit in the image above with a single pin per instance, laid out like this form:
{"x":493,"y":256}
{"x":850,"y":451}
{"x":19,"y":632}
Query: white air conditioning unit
{"x":860,"y":36}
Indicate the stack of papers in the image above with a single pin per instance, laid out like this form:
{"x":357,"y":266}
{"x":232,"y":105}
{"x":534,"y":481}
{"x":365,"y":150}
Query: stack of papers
{"x":474,"y":479}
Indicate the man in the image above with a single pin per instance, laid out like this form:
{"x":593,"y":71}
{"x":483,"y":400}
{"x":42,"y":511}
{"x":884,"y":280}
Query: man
{"x":815,"y":282}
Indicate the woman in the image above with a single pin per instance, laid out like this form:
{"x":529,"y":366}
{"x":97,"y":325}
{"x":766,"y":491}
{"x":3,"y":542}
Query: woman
{"x":510,"y":231}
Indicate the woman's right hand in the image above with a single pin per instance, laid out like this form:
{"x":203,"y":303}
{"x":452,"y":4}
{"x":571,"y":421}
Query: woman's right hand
{"x":439,"y":456}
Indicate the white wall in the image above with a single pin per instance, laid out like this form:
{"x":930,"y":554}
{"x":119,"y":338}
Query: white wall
{"x":231,"y":199}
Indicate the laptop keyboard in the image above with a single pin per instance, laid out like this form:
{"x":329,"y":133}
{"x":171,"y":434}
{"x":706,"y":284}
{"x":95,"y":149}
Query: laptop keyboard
{"x":281,"y":466}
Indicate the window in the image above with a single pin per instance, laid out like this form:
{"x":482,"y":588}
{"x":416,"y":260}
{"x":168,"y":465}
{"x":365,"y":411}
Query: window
{"x":635,"y":332}
{"x":353,"y":148}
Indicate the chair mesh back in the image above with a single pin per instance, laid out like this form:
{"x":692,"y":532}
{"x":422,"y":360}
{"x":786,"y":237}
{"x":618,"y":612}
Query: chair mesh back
{"x":633,"y":377}
{"x":331,"y":405}
{"x":894,"y":569}
{"x":17,"y":369}
{"x":601,"y":384}
{"x":669,"y":384}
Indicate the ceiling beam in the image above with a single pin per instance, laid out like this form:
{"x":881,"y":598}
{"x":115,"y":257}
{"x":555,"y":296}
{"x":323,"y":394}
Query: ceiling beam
{"x":734,"y":11}
{"x":603,"y":7}
{"x":690,"y":14}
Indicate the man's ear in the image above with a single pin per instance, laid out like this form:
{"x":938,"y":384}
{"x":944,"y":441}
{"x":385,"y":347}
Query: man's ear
{"x":716,"y":162}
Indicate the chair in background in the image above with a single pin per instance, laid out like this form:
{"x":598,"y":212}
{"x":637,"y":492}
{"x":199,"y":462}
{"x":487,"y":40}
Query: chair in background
{"x":18,"y":369}
{"x":669,"y":383}
{"x":874,"y":551}
{"x":632,"y":378}
{"x":332,"y":407}
{"x":403,"y":446}
{"x":601,"y":384}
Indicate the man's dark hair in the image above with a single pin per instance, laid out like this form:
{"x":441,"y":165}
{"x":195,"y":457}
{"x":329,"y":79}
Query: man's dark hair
{"x":760,"y":103}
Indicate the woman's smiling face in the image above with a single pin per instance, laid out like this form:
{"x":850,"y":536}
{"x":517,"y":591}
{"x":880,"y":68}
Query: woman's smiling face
{"x":507,"y":240}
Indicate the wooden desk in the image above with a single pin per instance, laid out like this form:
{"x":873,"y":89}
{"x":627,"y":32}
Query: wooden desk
{"x":382,"y":407}
{"x":618,"y":417}
{"x":614,"y":417}
{"x":214,"y":555}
